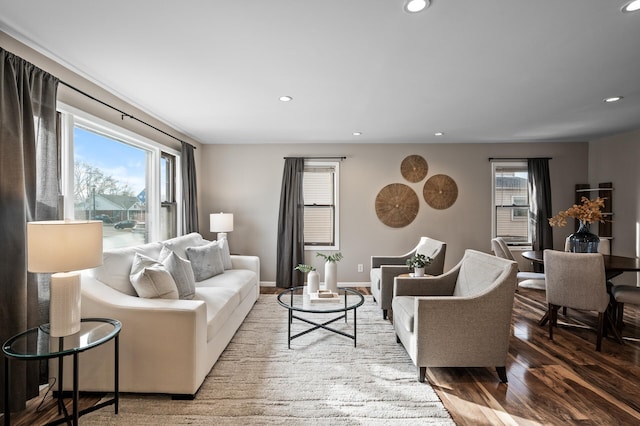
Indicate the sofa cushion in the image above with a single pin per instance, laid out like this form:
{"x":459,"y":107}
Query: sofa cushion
{"x":403,"y":311}
{"x":116,"y":266}
{"x":376,"y":275}
{"x":242,"y":281}
{"x":182,"y":273}
{"x":206,"y":261}
{"x":151,"y":279}
{"x":221,"y":303}
{"x":179,"y":245}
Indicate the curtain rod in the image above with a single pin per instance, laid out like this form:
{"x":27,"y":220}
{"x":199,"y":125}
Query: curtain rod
{"x":124,"y":114}
{"x":519,"y":159}
{"x":319,"y":158}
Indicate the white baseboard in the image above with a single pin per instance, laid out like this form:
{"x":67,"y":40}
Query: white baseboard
{"x":340,"y":284}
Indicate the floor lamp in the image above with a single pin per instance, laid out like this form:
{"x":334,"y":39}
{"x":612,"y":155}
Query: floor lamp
{"x":63,"y":247}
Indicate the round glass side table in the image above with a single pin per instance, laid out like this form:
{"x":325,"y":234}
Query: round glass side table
{"x":37,"y":344}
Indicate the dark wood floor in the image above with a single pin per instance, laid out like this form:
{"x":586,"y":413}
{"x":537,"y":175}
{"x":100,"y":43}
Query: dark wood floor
{"x":553,"y":383}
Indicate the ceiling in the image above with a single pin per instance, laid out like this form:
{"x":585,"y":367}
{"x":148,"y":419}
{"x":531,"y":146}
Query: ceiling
{"x":479,"y":71}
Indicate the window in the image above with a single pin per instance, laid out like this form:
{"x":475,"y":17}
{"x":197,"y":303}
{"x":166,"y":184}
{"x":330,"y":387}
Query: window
{"x":320,"y":187}
{"x":510,"y":216}
{"x":121,"y":178}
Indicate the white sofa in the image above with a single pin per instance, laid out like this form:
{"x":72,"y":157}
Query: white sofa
{"x":166,"y":346}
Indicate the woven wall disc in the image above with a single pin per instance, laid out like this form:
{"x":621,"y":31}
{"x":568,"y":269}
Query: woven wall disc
{"x":440,"y":192}
{"x":414,"y":168}
{"x":397,"y":205}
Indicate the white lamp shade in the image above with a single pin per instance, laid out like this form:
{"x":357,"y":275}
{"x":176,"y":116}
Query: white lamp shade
{"x":221,"y":222}
{"x":64,"y":245}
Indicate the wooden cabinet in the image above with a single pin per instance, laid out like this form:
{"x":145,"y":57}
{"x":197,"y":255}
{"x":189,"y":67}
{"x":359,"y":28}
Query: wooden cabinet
{"x":604,"y":191}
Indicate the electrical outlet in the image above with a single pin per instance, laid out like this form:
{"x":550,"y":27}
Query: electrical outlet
{"x":360,"y":267}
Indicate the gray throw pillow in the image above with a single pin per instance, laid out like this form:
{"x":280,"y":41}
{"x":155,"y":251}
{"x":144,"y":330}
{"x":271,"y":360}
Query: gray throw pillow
{"x":206,"y":261}
{"x":151,"y":279}
{"x":182,"y":273}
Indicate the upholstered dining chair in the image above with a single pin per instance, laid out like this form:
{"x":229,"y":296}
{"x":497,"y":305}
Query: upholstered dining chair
{"x":385,"y":268}
{"x":577,"y":281}
{"x":624,"y":294}
{"x":525,"y":279}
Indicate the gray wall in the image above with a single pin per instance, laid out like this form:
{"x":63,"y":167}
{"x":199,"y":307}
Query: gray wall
{"x":246,"y":179}
{"x":616,"y":159}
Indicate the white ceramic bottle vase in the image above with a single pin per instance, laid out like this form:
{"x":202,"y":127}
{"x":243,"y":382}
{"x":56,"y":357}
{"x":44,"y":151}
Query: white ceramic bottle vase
{"x":313,"y":282}
{"x":331,"y":276}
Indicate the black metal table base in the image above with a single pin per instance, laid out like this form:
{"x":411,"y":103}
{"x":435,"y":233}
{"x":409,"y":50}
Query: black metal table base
{"x":321,"y":325}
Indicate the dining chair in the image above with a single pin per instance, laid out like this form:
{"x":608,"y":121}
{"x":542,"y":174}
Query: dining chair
{"x":525,"y":279}
{"x":624,"y":294}
{"x":577,"y":281}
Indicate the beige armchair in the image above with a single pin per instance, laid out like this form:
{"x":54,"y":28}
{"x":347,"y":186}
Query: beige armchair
{"x":461,"y":318}
{"x":385,"y":268}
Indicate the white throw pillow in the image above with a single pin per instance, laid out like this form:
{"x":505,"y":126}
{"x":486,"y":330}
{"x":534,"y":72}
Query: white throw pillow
{"x":151,"y":279}
{"x":206,"y":261}
{"x":179,"y":244}
{"x":181,"y":271}
{"x":226,"y":254}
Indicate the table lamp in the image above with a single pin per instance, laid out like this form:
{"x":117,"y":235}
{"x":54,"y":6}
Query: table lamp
{"x":221,"y":223}
{"x":63,"y":247}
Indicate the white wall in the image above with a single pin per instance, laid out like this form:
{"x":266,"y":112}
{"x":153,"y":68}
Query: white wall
{"x":616,"y":159}
{"x":246,"y":180}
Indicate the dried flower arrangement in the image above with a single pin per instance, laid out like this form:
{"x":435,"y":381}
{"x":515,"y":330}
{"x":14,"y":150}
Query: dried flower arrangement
{"x":588,"y":212}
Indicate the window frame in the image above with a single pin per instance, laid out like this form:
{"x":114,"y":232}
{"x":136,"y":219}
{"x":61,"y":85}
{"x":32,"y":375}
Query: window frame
{"x":495,"y":165}
{"x":336,"y":203}
{"x":70,"y":117}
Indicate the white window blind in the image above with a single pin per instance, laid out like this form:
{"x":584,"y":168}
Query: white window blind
{"x":319,"y":185}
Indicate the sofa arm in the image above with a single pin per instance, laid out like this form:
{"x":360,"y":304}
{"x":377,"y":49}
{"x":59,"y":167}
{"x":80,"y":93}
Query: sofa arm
{"x":251,"y":263}
{"x":157,"y":335}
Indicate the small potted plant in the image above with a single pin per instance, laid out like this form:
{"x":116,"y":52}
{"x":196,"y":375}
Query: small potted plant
{"x":418,"y":262}
{"x":331,"y":270}
{"x":313,"y":278}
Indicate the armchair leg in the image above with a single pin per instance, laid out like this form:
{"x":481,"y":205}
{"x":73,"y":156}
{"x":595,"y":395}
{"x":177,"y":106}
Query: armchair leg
{"x":422,"y":373}
{"x":384,"y":314}
{"x":502,"y":374}
{"x":397,"y":339}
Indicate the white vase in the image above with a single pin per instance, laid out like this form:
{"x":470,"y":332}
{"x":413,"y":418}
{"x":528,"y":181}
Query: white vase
{"x":313,"y":282}
{"x":418,"y":272}
{"x":331,"y":276}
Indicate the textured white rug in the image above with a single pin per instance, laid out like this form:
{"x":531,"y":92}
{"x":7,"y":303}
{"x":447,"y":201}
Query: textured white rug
{"x":321,"y":380}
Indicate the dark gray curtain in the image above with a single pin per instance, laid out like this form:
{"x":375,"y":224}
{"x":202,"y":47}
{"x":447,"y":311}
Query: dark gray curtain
{"x":29,"y":189}
{"x":540,"y":196}
{"x":189,"y":189}
{"x":291,"y":224}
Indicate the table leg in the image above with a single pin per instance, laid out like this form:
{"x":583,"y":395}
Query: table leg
{"x":116,"y":367}
{"x":7,"y":378}
{"x":355,"y":323}
{"x":289,"y":328}
{"x":75,"y":389}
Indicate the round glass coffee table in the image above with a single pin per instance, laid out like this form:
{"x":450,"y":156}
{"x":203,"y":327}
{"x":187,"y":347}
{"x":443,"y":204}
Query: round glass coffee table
{"x":297,"y":299}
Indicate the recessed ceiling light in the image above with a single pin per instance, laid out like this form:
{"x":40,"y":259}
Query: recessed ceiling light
{"x":286,"y":98}
{"x":612,"y":99}
{"x":632,"y":6}
{"x":357,"y":133}
{"x":414,"y":6}
{"x":439,"y":133}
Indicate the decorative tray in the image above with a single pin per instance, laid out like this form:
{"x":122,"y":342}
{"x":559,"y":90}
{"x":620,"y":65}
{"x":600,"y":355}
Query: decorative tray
{"x":324,"y":296}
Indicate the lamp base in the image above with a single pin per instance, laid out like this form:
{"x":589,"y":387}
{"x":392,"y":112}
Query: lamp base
{"x":221,"y":235}
{"x":64,"y":304}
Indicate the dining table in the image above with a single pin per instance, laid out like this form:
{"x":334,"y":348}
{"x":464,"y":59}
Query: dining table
{"x":613,"y":266}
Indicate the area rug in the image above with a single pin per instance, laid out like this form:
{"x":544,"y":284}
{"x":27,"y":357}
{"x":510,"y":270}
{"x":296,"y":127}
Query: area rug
{"x":322,"y":380}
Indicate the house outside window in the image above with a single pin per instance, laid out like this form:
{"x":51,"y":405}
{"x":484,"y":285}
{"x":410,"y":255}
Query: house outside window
{"x":118,"y":177}
{"x":320,"y":187}
{"x":510,"y":215}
